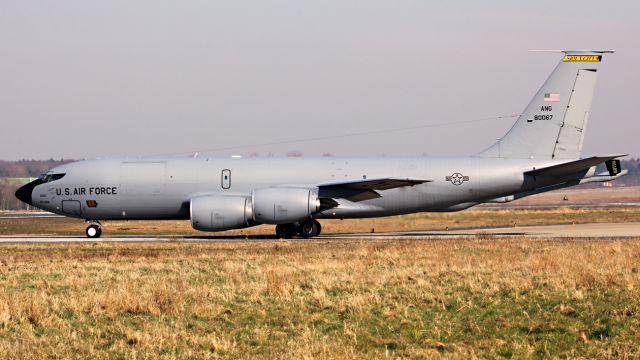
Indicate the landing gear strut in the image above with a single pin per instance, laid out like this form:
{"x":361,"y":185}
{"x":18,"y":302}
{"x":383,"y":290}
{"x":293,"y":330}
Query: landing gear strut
{"x":93,"y":230}
{"x":306,"y":229}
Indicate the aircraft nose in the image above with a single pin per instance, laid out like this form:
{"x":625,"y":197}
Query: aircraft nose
{"x":24,"y":192}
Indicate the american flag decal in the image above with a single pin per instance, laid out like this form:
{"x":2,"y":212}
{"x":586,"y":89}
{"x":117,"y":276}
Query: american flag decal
{"x":551,"y":97}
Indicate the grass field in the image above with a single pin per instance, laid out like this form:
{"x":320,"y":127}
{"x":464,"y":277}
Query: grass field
{"x":482,"y":297}
{"x":475,"y":218}
{"x":454,"y":298}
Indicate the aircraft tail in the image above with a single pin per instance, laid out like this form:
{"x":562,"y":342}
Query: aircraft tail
{"x":553,"y":124}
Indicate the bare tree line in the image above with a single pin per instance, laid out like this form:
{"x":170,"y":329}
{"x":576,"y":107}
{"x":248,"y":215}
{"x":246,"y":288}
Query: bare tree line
{"x":8,"y":201}
{"x":14,"y":174}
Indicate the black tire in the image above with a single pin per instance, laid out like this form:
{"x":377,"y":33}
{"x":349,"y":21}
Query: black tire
{"x":319,"y":227}
{"x":309,"y":229}
{"x":285,"y":231}
{"x":93,"y":231}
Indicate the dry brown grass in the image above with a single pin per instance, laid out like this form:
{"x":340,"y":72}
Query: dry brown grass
{"x":459,"y":298}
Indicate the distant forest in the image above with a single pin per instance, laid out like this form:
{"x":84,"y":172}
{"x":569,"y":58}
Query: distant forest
{"x":634,"y":172}
{"x":28,"y":168}
{"x":9,"y":170}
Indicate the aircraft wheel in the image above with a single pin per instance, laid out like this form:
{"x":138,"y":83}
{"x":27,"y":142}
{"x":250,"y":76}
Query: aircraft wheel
{"x":309,"y":228}
{"x":319,"y":227}
{"x":285,"y":231}
{"x":93,"y":231}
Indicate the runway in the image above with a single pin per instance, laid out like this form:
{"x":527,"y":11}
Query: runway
{"x":577,"y":231}
{"x":45,"y":214}
{"x":28,"y":215}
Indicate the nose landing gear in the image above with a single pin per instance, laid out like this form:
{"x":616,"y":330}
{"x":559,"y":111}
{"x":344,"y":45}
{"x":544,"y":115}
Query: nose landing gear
{"x":93,"y":230}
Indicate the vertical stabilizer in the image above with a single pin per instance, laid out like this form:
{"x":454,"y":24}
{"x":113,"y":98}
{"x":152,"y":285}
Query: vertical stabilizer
{"x":553,"y":124}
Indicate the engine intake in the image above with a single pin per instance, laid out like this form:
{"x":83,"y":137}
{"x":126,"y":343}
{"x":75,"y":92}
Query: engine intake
{"x":283,"y":205}
{"x":220,"y":212}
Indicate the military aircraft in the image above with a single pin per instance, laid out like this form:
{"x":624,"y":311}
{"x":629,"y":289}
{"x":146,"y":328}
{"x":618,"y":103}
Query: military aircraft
{"x":541,"y":152}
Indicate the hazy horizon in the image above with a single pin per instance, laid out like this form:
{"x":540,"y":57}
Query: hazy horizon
{"x":115,"y":78}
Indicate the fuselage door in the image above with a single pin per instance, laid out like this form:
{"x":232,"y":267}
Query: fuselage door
{"x":226,"y":179}
{"x":71,"y":208}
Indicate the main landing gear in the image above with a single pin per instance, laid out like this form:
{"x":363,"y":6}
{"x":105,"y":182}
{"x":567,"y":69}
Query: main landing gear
{"x":306,"y":229}
{"x":93,"y":230}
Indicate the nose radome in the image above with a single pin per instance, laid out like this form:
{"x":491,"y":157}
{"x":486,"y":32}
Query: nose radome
{"x":24,"y":193}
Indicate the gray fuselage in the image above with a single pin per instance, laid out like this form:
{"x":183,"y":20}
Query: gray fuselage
{"x":157,"y":188}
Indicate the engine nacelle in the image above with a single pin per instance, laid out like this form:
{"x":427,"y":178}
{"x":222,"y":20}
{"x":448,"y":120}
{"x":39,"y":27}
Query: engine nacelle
{"x":283,"y":205}
{"x":220,"y":212}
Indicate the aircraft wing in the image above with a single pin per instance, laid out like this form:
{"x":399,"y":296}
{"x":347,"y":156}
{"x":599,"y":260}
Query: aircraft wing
{"x":361,"y":190}
{"x":573,"y":167}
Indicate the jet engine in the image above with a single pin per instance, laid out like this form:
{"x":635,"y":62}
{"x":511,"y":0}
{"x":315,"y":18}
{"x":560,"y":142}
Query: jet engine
{"x":283,"y":205}
{"x":220,"y":212}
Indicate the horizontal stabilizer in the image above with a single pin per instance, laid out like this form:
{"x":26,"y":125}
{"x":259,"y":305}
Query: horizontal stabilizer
{"x":361,"y":190}
{"x":571,"y":167}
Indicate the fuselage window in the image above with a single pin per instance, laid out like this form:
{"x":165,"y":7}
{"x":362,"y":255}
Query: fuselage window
{"x":226,"y":178}
{"x":51,"y":177}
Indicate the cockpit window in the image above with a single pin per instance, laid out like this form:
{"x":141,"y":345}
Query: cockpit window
{"x":51,"y":177}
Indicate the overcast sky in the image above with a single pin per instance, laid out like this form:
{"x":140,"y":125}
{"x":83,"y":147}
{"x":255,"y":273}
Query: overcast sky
{"x":85,"y":79}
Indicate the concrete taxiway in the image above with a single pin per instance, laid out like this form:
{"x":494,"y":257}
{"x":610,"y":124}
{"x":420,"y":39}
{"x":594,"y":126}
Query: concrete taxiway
{"x":28,"y":215}
{"x":579,"y":231}
{"x":45,"y":214}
